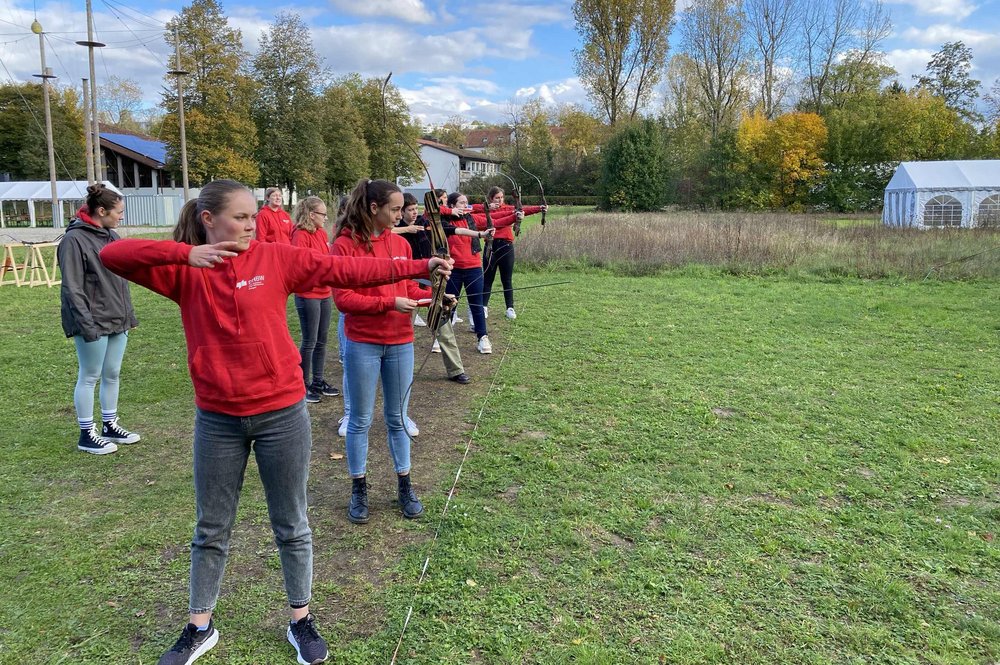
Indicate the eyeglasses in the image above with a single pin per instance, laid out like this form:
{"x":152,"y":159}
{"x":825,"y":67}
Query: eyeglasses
{"x":314,"y":212}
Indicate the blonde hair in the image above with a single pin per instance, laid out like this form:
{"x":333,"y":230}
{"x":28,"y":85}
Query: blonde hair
{"x":214,"y":197}
{"x":303,"y":218}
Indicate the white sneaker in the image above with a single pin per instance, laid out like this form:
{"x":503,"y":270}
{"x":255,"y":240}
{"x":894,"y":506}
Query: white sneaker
{"x":486,"y":312}
{"x":484,"y":345}
{"x":436,"y":347}
{"x":411,"y":428}
{"x":455,"y":318}
{"x":418,"y":322}
{"x":511,"y":314}
{"x":342,"y":430}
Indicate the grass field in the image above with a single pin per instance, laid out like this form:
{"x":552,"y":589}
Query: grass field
{"x":691,"y":467}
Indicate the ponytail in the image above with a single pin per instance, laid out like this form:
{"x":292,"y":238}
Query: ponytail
{"x":214,"y":197}
{"x":357,"y":216}
{"x":99,"y":196}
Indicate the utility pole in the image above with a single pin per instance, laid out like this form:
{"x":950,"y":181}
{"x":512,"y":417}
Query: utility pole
{"x":95,"y":127}
{"x":86,"y":133}
{"x":46,"y":74}
{"x":179,"y":74}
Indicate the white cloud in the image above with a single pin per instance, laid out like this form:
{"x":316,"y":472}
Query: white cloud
{"x":908,"y":62}
{"x":943,"y":33}
{"x":955,"y":9}
{"x":411,"y":11}
{"x":372,"y":49}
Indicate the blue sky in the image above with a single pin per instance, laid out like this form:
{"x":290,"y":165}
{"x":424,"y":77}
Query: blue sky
{"x":471,"y":58}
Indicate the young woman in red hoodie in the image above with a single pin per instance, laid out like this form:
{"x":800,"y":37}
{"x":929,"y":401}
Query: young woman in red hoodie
{"x":503,"y":251}
{"x":274,"y":224}
{"x":468,"y":273}
{"x":379,"y":338}
{"x":315,"y":305}
{"x":232,"y":292}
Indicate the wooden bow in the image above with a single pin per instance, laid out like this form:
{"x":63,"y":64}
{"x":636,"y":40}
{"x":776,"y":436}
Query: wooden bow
{"x":439,"y":311}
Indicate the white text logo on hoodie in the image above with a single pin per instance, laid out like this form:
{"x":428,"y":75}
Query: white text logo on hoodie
{"x":252,"y":283}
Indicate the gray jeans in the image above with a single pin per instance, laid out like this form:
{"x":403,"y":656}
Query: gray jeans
{"x":281,"y":442}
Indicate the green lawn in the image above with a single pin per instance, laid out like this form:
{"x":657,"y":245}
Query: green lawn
{"x":689,"y":468}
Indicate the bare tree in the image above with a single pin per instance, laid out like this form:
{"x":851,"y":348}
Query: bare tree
{"x":120,"y":102}
{"x":714,"y":39}
{"x":830,"y":30}
{"x":624,"y":51}
{"x":770,"y":24}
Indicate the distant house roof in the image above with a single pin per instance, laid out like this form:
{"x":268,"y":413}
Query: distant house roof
{"x":967,"y":174}
{"x":143,"y":149}
{"x":484,"y":138}
{"x":467,"y":154}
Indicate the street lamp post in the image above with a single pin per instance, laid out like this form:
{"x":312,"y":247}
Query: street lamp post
{"x":46,"y":74}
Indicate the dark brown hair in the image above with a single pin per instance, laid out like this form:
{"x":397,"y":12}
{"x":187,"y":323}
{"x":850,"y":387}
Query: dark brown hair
{"x":357,"y":216}
{"x":493,"y":192}
{"x":214,"y":197}
{"x":99,"y":196}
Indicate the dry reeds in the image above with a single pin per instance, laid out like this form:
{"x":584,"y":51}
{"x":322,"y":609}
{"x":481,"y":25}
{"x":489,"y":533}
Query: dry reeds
{"x":640,"y":244}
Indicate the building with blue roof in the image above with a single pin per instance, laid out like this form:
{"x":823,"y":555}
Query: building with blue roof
{"x":136,"y":164}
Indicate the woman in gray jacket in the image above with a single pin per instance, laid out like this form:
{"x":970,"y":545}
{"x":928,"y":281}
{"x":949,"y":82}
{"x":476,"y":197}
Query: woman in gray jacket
{"x":97,"y":313}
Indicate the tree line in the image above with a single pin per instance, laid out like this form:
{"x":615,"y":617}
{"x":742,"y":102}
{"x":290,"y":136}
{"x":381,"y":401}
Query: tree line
{"x":761,"y":104}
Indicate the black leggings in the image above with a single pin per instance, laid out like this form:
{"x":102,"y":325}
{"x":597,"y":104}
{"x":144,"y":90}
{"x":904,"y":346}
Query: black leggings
{"x":503,"y":258}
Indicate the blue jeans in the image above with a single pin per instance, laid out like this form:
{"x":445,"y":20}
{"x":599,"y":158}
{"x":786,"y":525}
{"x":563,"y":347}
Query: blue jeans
{"x":100,"y":359}
{"x":281,"y":442}
{"x":314,"y":318}
{"x":364,"y":364}
{"x":342,"y":341}
{"x":472,"y":280}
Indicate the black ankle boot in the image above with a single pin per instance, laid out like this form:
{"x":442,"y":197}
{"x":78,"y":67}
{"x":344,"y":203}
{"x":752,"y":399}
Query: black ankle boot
{"x":408,"y":501}
{"x":357,"y":510}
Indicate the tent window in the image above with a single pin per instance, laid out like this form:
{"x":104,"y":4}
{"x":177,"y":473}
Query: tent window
{"x":989,"y":212}
{"x":943,"y":211}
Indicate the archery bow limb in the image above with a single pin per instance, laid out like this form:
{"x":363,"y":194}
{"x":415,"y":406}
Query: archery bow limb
{"x":488,"y":243}
{"x":541,"y":190}
{"x":516,"y":193}
{"x":440,"y":308}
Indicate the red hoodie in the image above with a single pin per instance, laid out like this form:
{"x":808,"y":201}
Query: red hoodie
{"x":318,"y":242}
{"x":240,"y":354}
{"x":274,"y":225}
{"x":370,"y":314}
{"x":460,"y":247}
{"x":506,"y":232}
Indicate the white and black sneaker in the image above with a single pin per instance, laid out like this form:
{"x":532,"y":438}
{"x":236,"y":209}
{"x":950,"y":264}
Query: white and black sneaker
{"x":191,"y":645}
{"x":310,"y":648}
{"x":92,"y":442}
{"x":112,"y":431}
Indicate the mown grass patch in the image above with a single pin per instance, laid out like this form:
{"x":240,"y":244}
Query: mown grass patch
{"x":688,"y":468}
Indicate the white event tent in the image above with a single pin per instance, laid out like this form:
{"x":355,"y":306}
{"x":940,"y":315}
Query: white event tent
{"x":943,"y":194}
{"x":41,"y":190}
